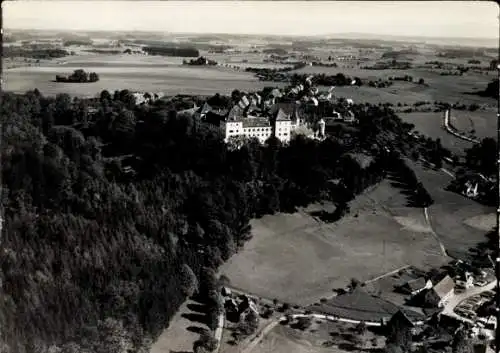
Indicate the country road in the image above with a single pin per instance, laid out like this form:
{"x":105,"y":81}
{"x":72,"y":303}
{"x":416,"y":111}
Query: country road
{"x":268,"y":328}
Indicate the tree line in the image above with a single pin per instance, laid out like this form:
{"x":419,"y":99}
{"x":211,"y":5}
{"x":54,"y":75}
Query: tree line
{"x":172,"y":51}
{"x":78,"y":76}
{"x":11,"y":51}
{"x":77,"y":42}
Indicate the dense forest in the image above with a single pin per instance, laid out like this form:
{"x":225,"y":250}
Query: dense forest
{"x":98,"y":259}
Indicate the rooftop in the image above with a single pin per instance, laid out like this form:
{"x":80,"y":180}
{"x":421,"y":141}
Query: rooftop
{"x":401,"y":317}
{"x":280,"y":110}
{"x":255,"y":122}
{"x":282,"y":116}
{"x":359,"y":305}
{"x":416,"y":284}
{"x":444,"y":286}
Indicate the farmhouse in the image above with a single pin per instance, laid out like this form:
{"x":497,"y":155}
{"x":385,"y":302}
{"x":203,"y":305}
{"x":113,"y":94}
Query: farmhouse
{"x":441,"y":292}
{"x":231,"y":306}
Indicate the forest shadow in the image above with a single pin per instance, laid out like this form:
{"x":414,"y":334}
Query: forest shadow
{"x":194,"y":317}
{"x":197,"y":329}
{"x":198,"y":308}
{"x":399,"y":183}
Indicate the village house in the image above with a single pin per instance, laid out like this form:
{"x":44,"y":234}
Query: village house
{"x":415,"y":286}
{"x":400,"y":321}
{"x":146,"y":97}
{"x":247,"y":307}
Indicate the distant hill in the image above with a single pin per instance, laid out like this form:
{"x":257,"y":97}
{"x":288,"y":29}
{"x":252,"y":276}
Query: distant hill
{"x":160,"y":35}
{"x":445,"y":41}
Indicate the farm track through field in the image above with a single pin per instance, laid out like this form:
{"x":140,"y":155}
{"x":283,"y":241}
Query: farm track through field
{"x":434,"y":234}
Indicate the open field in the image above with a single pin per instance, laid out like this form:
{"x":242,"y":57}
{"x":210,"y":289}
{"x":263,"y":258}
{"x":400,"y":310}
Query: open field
{"x":121,"y":72}
{"x":483,"y":123}
{"x":458,"y":221}
{"x":296,"y":258}
{"x":431,"y":125}
{"x":360,"y":306}
{"x":385,"y":287}
{"x":278,"y":342}
{"x":449,"y":89}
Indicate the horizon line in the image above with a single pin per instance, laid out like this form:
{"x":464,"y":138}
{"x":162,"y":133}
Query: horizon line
{"x":251,"y":34}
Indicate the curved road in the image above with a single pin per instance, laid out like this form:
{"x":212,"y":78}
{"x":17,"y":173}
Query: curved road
{"x":257,"y":338}
{"x":450,"y":305}
{"x":453,"y":131}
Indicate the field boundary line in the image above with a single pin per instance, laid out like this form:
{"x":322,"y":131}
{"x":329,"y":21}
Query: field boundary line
{"x":434,"y":234}
{"x":453,"y":131}
{"x":387,"y":274}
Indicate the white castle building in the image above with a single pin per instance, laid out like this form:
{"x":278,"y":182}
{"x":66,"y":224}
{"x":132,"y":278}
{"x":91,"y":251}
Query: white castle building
{"x":243,"y":120}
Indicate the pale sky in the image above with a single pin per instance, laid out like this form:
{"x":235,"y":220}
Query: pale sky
{"x":476,"y":19}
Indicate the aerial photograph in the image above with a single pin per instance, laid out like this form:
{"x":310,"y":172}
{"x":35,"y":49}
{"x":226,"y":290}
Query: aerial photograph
{"x":249,"y":177}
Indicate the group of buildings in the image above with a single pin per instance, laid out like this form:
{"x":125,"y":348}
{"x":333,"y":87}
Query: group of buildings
{"x":146,"y":97}
{"x":250,"y":121}
{"x":255,"y":117}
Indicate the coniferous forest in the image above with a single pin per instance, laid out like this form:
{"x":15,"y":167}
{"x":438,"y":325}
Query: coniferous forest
{"x":112,"y":211}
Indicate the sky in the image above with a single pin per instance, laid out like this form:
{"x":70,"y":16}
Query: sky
{"x":471,"y":19}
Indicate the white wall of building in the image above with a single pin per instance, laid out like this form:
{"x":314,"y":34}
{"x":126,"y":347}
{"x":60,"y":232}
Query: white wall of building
{"x":232,"y":128}
{"x":262,"y":133}
{"x":283,"y":129}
